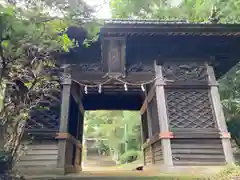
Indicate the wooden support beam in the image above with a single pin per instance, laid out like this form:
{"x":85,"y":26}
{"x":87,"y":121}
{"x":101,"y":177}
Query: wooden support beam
{"x":220,"y":119}
{"x":162,"y":116}
{"x":148,"y":99}
{"x":97,"y":77}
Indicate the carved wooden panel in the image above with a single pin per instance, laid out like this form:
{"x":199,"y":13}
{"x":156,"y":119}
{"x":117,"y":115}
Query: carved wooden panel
{"x":114,"y":57}
{"x":93,"y":67}
{"x":189,"y":71}
{"x":140,"y":67}
{"x":189,"y":108}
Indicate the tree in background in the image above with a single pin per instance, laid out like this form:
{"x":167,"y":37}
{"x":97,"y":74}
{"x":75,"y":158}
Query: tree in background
{"x":192,"y":10}
{"x":120,"y":128}
{"x":32,"y":33}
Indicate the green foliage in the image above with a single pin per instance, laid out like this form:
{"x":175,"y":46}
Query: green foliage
{"x":227,"y":174}
{"x":233,"y":128}
{"x":32,"y":32}
{"x":120,"y":128}
{"x":192,"y":10}
{"x":130,"y":156}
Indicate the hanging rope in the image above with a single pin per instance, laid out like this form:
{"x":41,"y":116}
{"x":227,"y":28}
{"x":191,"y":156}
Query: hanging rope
{"x":125,"y":83}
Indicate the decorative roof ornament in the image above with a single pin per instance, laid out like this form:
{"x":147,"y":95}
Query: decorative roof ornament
{"x":213,"y":18}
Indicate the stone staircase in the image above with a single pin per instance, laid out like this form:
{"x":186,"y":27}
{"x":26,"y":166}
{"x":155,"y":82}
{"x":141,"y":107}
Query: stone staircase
{"x":98,"y":161}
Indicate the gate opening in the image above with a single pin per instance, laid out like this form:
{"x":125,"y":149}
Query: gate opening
{"x":112,"y":140}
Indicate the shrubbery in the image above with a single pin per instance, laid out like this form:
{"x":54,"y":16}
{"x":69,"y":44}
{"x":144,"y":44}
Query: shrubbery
{"x":130,"y":156}
{"x":230,"y":173}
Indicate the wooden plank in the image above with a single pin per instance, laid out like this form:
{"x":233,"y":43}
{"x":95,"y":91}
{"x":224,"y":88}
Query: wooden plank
{"x":36,"y":152}
{"x":144,"y":106}
{"x":216,"y":102}
{"x":197,"y":163}
{"x":195,"y":135}
{"x":149,"y":96}
{"x":195,"y":130}
{"x":36,"y":163}
{"x":197,"y":151}
{"x":191,"y":157}
{"x":97,"y":77}
{"x":184,"y":84}
{"x":41,"y":157}
{"x":196,"y":141}
{"x":43,"y":147}
{"x":195,"y":146}
{"x":158,"y":153}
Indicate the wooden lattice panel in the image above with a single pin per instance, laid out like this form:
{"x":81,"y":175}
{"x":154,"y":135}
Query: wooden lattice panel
{"x":189,"y":71}
{"x":189,"y":108}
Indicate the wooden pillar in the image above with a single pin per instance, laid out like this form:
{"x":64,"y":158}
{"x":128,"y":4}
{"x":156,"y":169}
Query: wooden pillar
{"x":162,"y":116}
{"x":62,"y":144}
{"x":218,"y":110}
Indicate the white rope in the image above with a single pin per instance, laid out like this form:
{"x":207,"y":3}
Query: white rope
{"x":120,"y":80}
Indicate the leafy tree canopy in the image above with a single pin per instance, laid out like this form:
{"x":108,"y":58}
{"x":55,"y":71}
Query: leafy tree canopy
{"x":192,"y":10}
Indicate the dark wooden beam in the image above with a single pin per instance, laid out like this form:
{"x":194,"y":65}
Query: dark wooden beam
{"x":96,"y":77}
{"x":148,"y":99}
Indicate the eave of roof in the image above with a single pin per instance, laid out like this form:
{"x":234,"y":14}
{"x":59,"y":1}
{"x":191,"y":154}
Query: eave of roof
{"x":157,"y":27}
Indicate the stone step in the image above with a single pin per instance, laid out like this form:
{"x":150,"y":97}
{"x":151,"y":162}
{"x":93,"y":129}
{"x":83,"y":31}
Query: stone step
{"x":119,"y":175}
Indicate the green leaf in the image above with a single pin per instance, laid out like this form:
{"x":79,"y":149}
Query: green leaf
{"x":5,"y":43}
{"x":7,"y":10}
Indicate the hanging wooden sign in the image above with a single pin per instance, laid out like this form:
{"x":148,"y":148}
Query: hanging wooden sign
{"x":113,"y":54}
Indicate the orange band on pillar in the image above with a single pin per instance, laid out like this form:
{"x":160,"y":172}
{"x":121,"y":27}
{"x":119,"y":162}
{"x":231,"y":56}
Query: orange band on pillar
{"x":62,"y":136}
{"x":166,"y":135}
{"x":226,"y":135}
